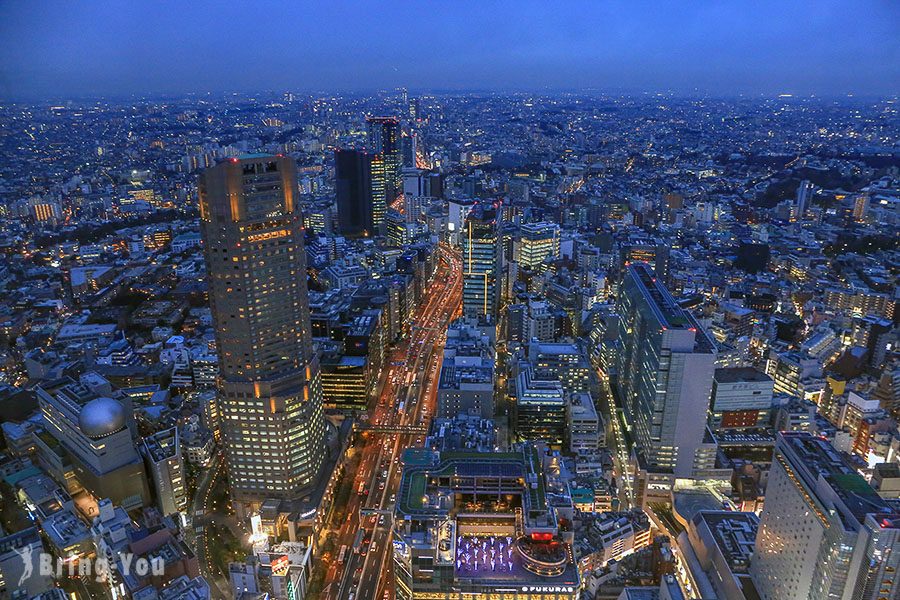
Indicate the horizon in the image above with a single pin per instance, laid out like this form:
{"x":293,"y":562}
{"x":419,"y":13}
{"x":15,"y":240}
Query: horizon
{"x":385,"y":93}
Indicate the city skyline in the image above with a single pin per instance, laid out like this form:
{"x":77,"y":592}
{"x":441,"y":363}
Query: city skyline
{"x":807,"y":48}
{"x":424,"y":334}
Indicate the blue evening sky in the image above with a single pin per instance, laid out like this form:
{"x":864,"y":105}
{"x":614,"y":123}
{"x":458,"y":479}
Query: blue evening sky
{"x":55,"y":48}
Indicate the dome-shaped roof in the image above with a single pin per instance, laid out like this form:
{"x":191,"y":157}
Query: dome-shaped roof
{"x":101,"y":417}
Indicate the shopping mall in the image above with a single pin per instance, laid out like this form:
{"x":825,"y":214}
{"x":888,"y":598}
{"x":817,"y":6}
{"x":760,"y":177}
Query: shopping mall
{"x":478,"y":525}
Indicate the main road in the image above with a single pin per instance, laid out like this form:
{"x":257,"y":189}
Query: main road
{"x":397,"y":420}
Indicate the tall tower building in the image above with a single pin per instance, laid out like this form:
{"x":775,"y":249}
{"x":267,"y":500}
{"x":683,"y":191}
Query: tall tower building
{"x":269,"y":385}
{"x":824,"y":533}
{"x":353,"y":192}
{"x":804,"y":195}
{"x":165,"y":463}
{"x":383,"y":135}
{"x":481,"y":245}
{"x":665,"y":368}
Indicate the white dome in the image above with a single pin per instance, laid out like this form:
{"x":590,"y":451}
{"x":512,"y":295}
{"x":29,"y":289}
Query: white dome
{"x":101,"y":417}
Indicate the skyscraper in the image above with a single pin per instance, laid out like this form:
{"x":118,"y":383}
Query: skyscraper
{"x":481,"y":261}
{"x":269,"y":384}
{"x":804,"y":195}
{"x":353,"y":192}
{"x":665,"y":368}
{"x":383,"y":135}
{"x":824,"y":532}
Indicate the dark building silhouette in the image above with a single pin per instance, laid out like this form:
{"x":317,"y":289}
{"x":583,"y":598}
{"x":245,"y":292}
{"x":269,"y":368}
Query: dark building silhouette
{"x":752,"y":257}
{"x":353,"y":191}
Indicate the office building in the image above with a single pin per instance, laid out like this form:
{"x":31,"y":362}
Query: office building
{"x":269,"y":385}
{"x":345,"y":381}
{"x":875,"y":335}
{"x":353,"y":192}
{"x":564,"y":362}
{"x":422,"y":183}
{"x":383,"y":135}
{"x":741,"y":399}
{"x":540,"y":407}
{"x":162,"y":452}
{"x":790,"y":370}
{"x":537,"y":242}
{"x":466,"y":384}
{"x":665,"y":370}
{"x":481,"y":258}
{"x":824,"y":532}
{"x":583,"y":425}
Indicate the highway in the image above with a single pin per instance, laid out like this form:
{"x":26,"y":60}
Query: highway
{"x":411,"y":378}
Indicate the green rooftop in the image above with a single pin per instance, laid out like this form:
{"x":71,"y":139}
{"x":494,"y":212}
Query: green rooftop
{"x":416,"y":491}
{"x":853,"y":482}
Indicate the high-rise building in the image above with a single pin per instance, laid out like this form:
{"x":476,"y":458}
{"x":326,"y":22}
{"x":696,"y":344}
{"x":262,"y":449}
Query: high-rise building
{"x":665,"y":371}
{"x":824,"y":532}
{"x":162,"y":453}
{"x":409,"y":148}
{"x":861,"y":207}
{"x":481,"y":261}
{"x":353,"y":192}
{"x":537,"y":242}
{"x":383,"y":135}
{"x":804,"y":195}
{"x":269,"y":385}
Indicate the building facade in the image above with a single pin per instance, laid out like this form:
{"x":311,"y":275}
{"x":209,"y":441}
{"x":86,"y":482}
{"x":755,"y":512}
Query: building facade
{"x":481,"y":256}
{"x":665,"y":371}
{"x":353,"y":192}
{"x":270,"y":390}
{"x":824,"y":533}
{"x":383,"y":135}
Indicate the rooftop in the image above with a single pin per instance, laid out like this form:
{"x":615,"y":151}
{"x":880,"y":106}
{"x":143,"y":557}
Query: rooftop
{"x":734,"y":534}
{"x":740,"y":374}
{"x":815,"y":458}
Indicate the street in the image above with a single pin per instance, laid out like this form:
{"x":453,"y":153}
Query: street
{"x":398,"y":419}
